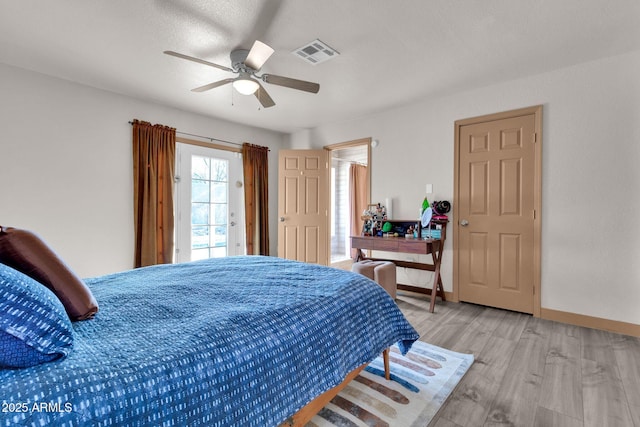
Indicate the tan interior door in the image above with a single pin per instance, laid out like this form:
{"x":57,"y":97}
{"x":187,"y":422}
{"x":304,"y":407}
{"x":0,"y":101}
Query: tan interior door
{"x":498,"y":193}
{"x":303,"y":179}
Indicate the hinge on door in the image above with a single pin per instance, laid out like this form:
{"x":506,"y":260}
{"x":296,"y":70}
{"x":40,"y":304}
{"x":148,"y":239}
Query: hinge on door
{"x":534,"y":214}
{"x":535,"y":137}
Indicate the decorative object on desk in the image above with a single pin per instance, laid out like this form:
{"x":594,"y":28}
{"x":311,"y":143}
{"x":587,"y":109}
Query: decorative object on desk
{"x":410,"y":234}
{"x":425,"y":216}
{"x":440,"y":209}
{"x":425,"y":219}
{"x":387,"y":227}
{"x":431,"y":233}
{"x":425,"y":222}
{"x":425,"y":205}
{"x":388,"y":203}
{"x":420,"y":383}
{"x":366,"y":227}
{"x":397,"y":230}
{"x":378,"y":215}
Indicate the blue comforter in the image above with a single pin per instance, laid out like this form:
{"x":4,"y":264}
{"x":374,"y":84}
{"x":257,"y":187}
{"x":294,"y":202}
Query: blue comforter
{"x":235,"y":341}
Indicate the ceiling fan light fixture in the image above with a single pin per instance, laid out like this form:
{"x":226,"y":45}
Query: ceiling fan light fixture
{"x":245,"y":63}
{"x":245,"y":85}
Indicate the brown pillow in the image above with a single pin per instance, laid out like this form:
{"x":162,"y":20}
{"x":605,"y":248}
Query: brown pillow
{"x":27,"y":253}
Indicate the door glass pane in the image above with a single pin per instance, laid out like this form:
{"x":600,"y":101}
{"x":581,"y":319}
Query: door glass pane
{"x":219,"y":170}
{"x":209,"y":207}
{"x":199,"y":214}
{"x":200,"y":237}
{"x":219,"y":192}
{"x":199,"y":190}
{"x":219,"y":236}
{"x":219,"y":213}
{"x":200,"y":167}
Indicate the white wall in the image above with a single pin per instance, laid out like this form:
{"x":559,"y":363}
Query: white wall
{"x":65,"y":170}
{"x":66,"y":165}
{"x":591,"y":174}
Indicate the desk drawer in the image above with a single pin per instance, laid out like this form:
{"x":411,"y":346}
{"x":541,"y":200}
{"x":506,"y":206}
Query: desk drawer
{"x":362,"y":243}
{"x":386,"y":244}
{"x":414,"y":246}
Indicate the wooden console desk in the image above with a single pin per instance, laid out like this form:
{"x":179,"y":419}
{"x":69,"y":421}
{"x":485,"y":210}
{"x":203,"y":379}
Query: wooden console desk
{"x":412,"y":246}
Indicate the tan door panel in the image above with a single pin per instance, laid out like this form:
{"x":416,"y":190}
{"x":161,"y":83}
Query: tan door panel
{"x":302,"y":204}
{"x":497,"y":198}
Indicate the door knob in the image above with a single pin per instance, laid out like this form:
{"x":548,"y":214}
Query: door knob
{"x":281,"y":219}
{"x":464,"y":223}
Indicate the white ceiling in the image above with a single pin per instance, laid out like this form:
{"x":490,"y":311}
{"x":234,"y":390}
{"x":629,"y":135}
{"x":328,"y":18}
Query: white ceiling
{"x":391,"y":52}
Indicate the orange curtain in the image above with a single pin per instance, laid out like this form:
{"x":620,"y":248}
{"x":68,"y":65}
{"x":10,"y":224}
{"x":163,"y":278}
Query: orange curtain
{"x":154,"y":148}
{"x":358,"y":198}
{"x":255,"y":164}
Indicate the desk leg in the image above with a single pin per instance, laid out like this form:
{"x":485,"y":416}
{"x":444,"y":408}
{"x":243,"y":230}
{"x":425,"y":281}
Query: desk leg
{"x":437,"y":288}
{"x":440,"y":288}
{"x":434,"y":290}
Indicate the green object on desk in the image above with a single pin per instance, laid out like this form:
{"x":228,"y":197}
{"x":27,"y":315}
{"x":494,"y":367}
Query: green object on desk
{"x":425,"y":205}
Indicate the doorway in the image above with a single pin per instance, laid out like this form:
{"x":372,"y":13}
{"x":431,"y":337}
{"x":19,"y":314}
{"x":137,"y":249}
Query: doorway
{"x":497,"y":210}
{"x":309,"y":221}
{"x":350,"y":195}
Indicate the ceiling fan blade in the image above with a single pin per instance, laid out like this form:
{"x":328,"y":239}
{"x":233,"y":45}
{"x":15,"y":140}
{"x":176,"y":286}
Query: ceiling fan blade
{"x":212,"y":85}
{"x":291,"y":83}
{"x":258,"y":55}
{"x":200,"y":61}
{"x":264,"y":97}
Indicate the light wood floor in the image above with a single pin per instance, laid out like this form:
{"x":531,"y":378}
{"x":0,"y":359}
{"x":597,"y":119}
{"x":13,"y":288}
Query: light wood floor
{"x":529,"y":371}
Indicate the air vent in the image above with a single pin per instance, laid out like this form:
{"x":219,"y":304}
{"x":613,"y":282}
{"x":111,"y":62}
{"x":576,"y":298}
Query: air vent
{"x":315,"y":52}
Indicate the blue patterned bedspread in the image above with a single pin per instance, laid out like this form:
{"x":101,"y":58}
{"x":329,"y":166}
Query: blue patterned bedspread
{"x":238,"y":341}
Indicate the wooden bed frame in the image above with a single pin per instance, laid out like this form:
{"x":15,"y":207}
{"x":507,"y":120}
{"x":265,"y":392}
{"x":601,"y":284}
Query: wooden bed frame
{"x":304,"y":415}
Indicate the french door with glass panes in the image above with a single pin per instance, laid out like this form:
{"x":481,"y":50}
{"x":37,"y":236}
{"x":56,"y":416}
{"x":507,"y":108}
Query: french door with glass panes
{"x":209,"y":203}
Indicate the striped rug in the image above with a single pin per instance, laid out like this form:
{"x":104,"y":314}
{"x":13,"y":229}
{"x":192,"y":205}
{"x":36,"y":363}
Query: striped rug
{"x":420,"y":383}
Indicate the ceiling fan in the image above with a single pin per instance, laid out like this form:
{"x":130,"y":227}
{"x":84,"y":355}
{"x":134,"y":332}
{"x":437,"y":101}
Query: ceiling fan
{"x":246,"y":63}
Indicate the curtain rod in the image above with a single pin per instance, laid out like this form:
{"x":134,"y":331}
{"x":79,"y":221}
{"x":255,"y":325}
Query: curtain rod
{"x":205,"y":137}
{"x":209,"y":138}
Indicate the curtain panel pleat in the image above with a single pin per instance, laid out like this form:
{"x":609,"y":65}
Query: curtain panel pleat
{"x":154,"y":148}
{"x":255,"y":160}
{"x":358,"y":198}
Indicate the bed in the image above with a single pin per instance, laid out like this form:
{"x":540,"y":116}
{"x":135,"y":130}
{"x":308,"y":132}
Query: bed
{"x":247,"y":340}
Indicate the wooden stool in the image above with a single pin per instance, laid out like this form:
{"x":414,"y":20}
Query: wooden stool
{"x":382,"y":272}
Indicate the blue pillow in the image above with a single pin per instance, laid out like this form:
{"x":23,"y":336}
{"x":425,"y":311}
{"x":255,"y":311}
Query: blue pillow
{"x":34,"y":326}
